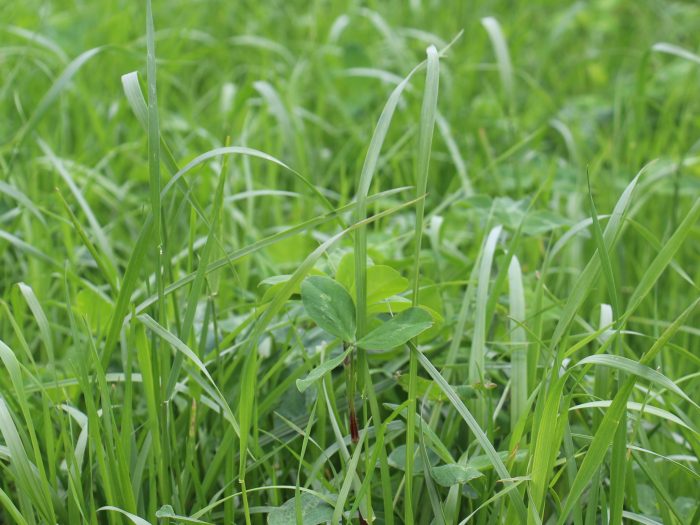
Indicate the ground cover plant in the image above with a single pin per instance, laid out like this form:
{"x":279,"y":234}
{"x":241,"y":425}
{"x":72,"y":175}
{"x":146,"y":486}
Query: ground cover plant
{"x":349,"y":262}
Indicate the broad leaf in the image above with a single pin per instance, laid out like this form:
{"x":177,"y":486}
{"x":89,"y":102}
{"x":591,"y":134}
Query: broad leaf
{"x":330,"y":306}
{"x":453,"y":474}
{"x":393,"y":305}
{"x":313,"y":511}
{"x":345,"y":274}
{"x":277,"y":282}
{"x":397,"y":459}
{"x":383,"y":282}
{"x":398,"y":330}
{"x":321,"y":370}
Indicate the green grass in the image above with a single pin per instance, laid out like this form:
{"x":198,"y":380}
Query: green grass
{"x":520,"y":178}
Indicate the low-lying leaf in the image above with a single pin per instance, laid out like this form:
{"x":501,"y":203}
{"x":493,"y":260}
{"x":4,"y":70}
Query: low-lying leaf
{"x":313,"y":511}
{"x":453,"y":474}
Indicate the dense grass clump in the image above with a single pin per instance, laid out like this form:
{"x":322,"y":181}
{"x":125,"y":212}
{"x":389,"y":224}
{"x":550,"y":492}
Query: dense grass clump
{"x":349,"y":262}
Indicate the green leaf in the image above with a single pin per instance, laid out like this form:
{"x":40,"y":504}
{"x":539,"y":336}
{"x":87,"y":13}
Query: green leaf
{"x":430,"y":299}
{"x":330,"y":306}
{"x":181,"y":347}
{"x":40,"y":317}
{"x":663,"y":258}
{"x":167,"y":512}
{"x":393,"y":305}
{"x":396,"y":331}
{"x":321,"y":370}
{"x":454,"y":474}
{"x":249,"y":380}
{"x":313,"y":511}
{"x":382,"y":283}
{"x":345,"y":274}
{"x":277,"y":283}
{"x":608,"y":426}
{"x":397,"y":459}
{"x":23,"y":470}
{"x":663,"y":47}
{"x":633,"y":367}
{"x":643,"y":408}
{"x":543,"y":221}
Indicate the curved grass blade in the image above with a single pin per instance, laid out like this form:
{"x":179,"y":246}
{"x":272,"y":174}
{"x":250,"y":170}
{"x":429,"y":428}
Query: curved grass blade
{"x":132,"y":517}
{"x":476,"y":357}
{"x":350,"y":473}
{"x":639,"y":407}
{"x":25,"y":472}
{"x":99,"y":233}
{"x":671,"y":49}
{"x":500,"y":47}
{"x":20,"y":197}
{"x":634,"y":367}
{"x":41,"y":320}
{"x":198,"y":283}
{"x":181,"y":347}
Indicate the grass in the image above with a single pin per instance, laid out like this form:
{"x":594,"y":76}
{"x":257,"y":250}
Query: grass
{"x":505,"y":194}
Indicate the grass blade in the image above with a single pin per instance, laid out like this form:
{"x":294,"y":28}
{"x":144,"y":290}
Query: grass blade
{"x":606,"y":431}
{"x":479,"y":434}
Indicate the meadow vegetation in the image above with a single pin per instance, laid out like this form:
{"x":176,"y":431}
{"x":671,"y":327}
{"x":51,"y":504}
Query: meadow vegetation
{"x":430,"y":262}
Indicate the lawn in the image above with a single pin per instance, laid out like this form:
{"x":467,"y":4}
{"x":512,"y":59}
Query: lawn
{"x":397,"y":262}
